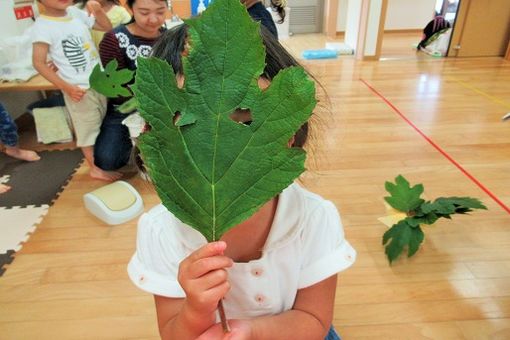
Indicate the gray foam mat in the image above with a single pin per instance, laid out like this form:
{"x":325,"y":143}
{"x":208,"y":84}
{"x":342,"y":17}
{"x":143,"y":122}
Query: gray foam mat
{"x":6,"y":258}
{"x":38,"y":183}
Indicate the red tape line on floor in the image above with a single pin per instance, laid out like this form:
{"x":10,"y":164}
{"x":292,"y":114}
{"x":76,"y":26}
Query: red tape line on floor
{"x":437,"y":147}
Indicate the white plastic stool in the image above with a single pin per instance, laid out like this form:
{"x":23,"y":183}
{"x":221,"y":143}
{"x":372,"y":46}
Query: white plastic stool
{"x":114,"y":203}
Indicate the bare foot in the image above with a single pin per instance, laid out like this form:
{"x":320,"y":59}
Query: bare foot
{"x":108,"y":176}
{"x":4,"y":188}
{"x":24,"y":155}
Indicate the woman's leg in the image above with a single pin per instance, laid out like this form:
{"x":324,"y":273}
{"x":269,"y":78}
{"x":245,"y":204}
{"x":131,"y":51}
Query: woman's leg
{"x":113,"y":145}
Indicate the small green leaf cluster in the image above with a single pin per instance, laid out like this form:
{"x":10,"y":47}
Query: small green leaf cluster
{"x":408,"y":233}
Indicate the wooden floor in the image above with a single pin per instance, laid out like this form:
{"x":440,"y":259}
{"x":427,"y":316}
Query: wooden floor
{"x":69,"y":281}
{"x":401,"y":45}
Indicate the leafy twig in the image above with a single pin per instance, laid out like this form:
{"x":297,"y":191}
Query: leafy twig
{"x":407,"y":233}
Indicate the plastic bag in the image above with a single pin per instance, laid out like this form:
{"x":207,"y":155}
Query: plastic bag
{"x":16,"y":58}
{"x":438,"y":47}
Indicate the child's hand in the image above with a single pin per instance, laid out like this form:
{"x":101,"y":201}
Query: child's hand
{"x":75,"y":92}
{"x":239,"y":330}
{"x":203,"y":277}
{"x":93,"y":6}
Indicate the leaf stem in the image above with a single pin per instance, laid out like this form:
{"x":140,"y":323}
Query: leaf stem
{"x":223,"y":317}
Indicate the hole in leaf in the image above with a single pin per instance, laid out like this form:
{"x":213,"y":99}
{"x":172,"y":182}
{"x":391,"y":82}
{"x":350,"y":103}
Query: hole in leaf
{"x":180,"y":81}
{"x":241,"y":116}
{"x":263,"y":83}
{"x":177,"y":116}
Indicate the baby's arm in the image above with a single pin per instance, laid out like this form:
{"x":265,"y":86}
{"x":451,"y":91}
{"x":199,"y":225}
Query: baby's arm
{"x":203,"y":277}
{"x":102,"y":22}
{"x":39,"y":56}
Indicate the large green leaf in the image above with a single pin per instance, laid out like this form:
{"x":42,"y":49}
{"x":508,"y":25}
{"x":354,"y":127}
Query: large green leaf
{"x":209,"y":170}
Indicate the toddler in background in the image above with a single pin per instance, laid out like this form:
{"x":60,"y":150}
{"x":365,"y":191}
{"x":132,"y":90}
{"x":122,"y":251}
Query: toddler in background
{"x":114,"y":11}
{"x":62,"y":32}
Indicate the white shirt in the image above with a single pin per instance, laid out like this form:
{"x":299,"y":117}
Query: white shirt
{"x":305,"y":245}
{"x":71,"y":46}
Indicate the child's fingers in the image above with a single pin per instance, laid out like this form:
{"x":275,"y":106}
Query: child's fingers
{"x":207,"y":259}
{"x":77,"y":96}
{"x":205,"y":301}
{"x":213,"y":295}
{"x":214,"y":333}
{"x":92,"y":6}
{"x":206,"y":265}
{"x":209,"y":280}
{"x":239,"y":330}
{"x":79,"y":93}
{"x":210,"y":249}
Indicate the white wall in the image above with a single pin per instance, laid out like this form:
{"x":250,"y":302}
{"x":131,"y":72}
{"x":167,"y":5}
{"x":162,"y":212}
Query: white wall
{"x":11,"y":26}
{"x":401,"y":14}
{"x":15,"y":102}
{"x":352,"y":23}
{"x":409,"y":14}
{"x":341,"y":18}
{"x":374,"y":14}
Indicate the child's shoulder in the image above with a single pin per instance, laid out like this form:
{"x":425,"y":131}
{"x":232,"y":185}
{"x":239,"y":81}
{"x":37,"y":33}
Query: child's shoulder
{"x":160,"y":223}
{"x":156,"y":217}
{"x":46,"y":28}
{"x":299,"y":212}
{"x":304,"y":200}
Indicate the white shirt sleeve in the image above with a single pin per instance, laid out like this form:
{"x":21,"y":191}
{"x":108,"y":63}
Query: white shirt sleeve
{"x":81,"y":15}
{"x":325,"y":250}
{"x":155,"y":264}
{"x":40,"y":33}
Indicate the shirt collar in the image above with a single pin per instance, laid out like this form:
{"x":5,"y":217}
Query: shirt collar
{"x":66,"y":18}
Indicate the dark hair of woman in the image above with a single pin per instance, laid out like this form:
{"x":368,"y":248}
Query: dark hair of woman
{"x":130,"y":3}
